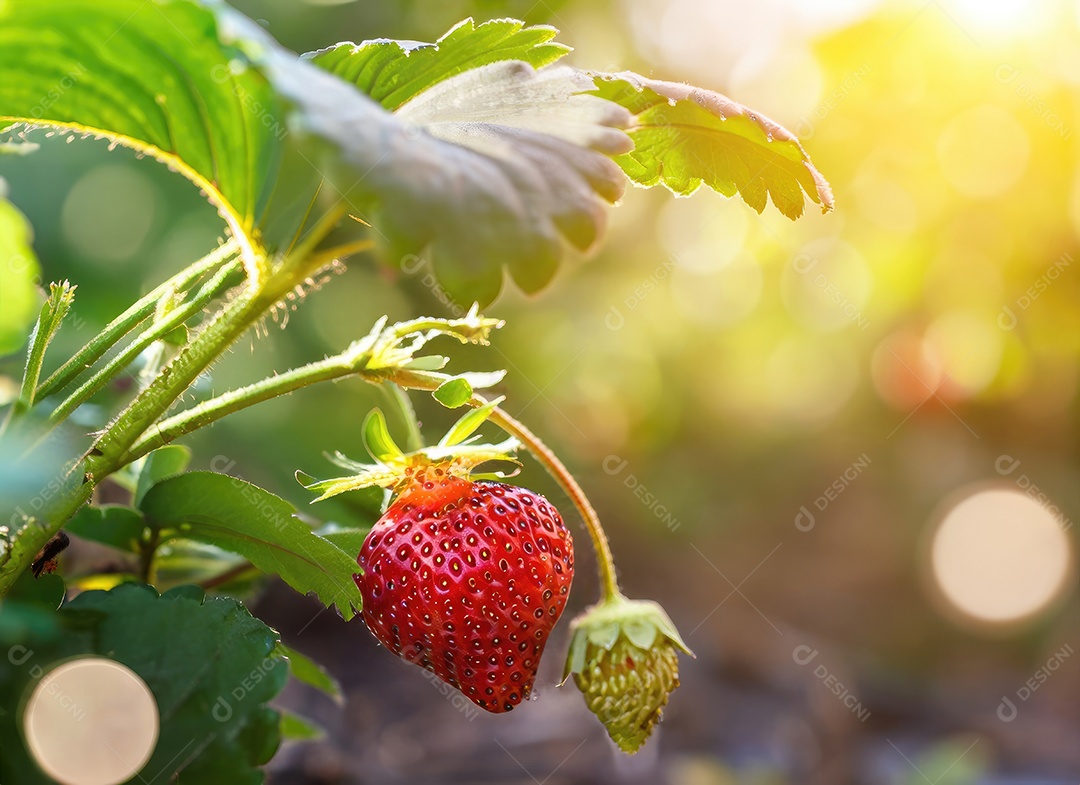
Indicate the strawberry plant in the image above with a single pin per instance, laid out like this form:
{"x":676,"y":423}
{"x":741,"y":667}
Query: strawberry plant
{"x":481,"y":153}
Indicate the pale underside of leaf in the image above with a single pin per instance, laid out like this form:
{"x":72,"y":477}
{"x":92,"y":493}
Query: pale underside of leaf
{"x":261,"y":131}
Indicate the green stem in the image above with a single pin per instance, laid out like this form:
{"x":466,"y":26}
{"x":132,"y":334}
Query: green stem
{"x":210,"y":290}
{"x":609,"y":582}
{"x":214,"y":409}
{"x":147,"y":551}
{"x":53,"y":310}
{"x":109,"y":452}
{"x":340,"y":366}
{"x":28,"y":541}
{"x":129,"y":319}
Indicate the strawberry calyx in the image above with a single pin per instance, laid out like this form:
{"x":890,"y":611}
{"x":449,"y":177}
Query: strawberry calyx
{"x":458,"y":454}
{"x":624,"y":658}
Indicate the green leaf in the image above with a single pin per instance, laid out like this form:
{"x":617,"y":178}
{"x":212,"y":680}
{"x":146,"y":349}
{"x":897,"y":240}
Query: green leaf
{"x":350,"y":538}
{"x":467,"y":425}
{"x":181,"y":561}
{"x":207,"y":91}
{"x":453,"y":393}
{"x":211,"y":666}
{"x":542,"y":140}
{"x":392,"y":72}
{"x":114,"y":525}
{"x":245,"y":519}
{"x":685,"y":136}
{"x":304,"y":669}
{"x":377,"y":437}
{"x":159,"y":464}
{"x":179,"y":80}
{"x":457,"y":390}
{"x":298,"y":728}
{"x":45,"y":591}
{"x":19,"y":270}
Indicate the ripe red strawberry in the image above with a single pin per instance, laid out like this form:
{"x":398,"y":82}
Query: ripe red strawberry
{"x":467,"y":579}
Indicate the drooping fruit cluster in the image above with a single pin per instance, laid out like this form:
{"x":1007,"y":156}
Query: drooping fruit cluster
{"x":467,"y":579}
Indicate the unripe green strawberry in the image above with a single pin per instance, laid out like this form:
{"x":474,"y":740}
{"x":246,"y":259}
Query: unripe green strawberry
{"x":623,"y":658}
{"x":467,"y":579}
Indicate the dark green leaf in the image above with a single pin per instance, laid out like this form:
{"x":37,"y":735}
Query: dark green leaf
{"x":210,"y":665}
{"x":245,"y":519}
{"x":46,"y":591}
{"x":306,"y":670}
{"x":112,"y":524}
{"x":161,"y":463}
{"x":685,"y":136}
{"x":392,"y":72}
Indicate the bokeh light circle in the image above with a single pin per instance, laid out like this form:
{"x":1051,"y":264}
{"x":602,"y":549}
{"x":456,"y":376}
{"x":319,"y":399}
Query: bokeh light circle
{"x":91,"y":721}
{"x":997,"y":556}
{"x":108,"y":213}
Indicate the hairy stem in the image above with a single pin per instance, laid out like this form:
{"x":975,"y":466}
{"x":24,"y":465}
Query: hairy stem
{"x":129,"y":319}
{"x":110,"y":451}
{"x":214,"y":409}
{"x":264,"y":288}
{"x":210,"y":290}
{"x":608,"y":581}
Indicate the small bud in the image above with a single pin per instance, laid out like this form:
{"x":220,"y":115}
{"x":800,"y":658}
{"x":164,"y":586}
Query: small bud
{"x":624,"y":659}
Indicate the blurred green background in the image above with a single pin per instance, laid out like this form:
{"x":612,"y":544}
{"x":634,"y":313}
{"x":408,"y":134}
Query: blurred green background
{"x":773,"y":418}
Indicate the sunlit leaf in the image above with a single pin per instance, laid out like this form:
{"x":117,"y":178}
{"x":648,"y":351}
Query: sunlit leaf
{"x":19,"y":270}
{"x":685,"y":136}
{"x":261,"y":131}
{"x":392,"y":72}
{"x":298,"y":728}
